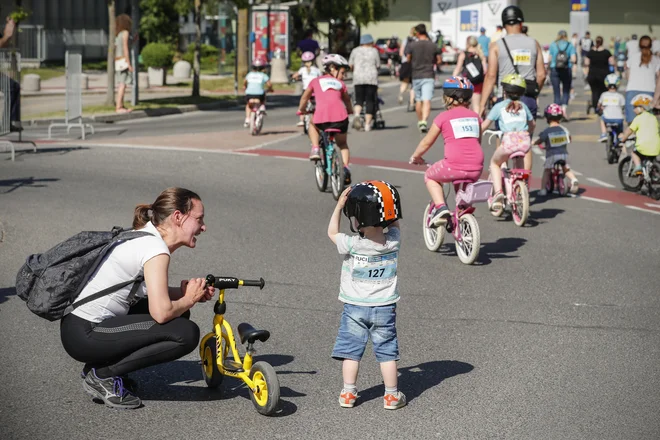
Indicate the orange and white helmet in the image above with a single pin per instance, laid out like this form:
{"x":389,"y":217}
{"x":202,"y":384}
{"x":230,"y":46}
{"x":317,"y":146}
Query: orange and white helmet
{"x":642,"y":100}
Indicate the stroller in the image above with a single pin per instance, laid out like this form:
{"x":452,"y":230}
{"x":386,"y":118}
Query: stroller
{"x":379,"y":122}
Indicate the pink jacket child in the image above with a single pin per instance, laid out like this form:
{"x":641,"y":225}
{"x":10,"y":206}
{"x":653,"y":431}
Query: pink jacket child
{"x":464,"y":158}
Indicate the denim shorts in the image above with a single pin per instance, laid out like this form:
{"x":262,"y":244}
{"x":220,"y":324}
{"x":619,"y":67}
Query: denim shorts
{"x":358,"y":324}
{"x":423,"y":89}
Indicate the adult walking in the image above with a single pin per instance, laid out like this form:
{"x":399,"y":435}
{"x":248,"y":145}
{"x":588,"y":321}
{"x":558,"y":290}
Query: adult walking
{"x":642,"y":67}
{"x":423,"y":54}
{"x":515,"y":53}
{"x":14,"y":91}
{"x":471,"y":64}
{"x":405,"y":72}
{"x":586,"y":44}
{"x":484,"y":41}
{"x":124,"y":331}
{"x":123,"y":67}
{"x":563,"y":57}
{"x":364,"y":61}
{"x":599,"y":60}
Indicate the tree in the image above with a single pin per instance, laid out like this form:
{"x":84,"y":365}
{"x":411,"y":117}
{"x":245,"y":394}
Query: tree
{"x":110,"y":93}
{"x":159,"y":22}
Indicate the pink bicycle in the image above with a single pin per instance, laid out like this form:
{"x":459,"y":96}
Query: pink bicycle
{"x":516,"y":193}
{"x":462,"y":224}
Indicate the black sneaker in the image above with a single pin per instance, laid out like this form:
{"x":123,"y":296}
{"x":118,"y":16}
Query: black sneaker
{"x":347,"y":176}
{"x":111,"y":391}
{"x":130,"y":384}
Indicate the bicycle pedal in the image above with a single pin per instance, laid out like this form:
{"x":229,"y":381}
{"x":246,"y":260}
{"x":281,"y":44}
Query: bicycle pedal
{"x":233,"y":366}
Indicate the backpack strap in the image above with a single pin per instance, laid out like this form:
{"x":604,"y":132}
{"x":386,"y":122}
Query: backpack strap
{"x":136,"y":284}
{"x":506,"y":46}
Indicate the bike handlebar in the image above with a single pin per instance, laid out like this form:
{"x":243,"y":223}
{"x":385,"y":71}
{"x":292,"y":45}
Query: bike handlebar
{"x":220,"y":282}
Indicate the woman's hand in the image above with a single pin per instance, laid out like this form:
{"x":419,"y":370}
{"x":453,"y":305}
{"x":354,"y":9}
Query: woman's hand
{"x":196,"y":290}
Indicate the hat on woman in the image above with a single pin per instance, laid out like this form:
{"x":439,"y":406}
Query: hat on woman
{"x":366,"y":39}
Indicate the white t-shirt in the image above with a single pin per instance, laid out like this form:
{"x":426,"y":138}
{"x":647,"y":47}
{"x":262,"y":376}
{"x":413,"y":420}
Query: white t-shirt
{"x":123,"y":263}
{"x":613,"y":104}
{"x":369,"y":271}
{"x":632,"y":46}
{"x":642,"y":78}
{"x":655,"y":46}
{"x":307,"y":77}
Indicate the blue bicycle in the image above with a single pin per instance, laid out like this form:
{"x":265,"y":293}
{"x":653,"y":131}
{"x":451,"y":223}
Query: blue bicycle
{"x":331,"y":165}
{"x":613,"y":146}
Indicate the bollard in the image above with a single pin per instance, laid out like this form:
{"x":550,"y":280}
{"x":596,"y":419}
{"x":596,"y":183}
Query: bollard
{"x":84,"y":81}
{"x":31,"y":82}
{"x":143,"y":80}
{"x":278,"y":73}
{"x":182,"y":70}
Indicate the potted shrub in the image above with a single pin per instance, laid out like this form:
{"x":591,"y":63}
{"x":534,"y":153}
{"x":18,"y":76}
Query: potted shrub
{"x":157,"y":57}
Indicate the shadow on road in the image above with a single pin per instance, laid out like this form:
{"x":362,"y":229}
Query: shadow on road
{"x":6,"y":292}
{"x":413,"y":381}
{"x":393,"y":127}
{"x":14,"y":184}
{"x":543,"y":214}
{"x":500,"y":248}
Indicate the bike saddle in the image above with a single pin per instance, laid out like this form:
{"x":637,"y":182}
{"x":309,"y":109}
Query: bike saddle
{"x":517,"y":154}
{"x":332,"y":130}
{"x":248,"y":333}
{"x":561,"y":162}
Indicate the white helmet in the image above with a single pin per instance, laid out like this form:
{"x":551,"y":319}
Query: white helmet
{"x":336,"y":59}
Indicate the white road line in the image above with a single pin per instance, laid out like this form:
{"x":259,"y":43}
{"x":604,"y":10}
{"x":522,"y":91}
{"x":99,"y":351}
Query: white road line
{"x":595,"y":199}
{"x":642,"y":209}
{"x":395,"y":169}
{"x":577,"y":173}
{"x":600,"y":182}
{"x":401,"y":107}
{"x":286,"y":157}
{"x":652,"y":205}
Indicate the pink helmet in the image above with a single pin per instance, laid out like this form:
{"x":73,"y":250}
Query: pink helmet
{"x":553,"y":111}
{"x":308,"y":56}
{"x":334,"y":59}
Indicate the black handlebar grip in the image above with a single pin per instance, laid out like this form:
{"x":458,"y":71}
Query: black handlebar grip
{"x":222,"y":282}
{"x":252,"y":283}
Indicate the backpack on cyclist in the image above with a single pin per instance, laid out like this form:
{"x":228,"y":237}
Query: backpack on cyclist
{"x":561,"y":59}
{"x":50,"y":282}
{"x":473,"y":69}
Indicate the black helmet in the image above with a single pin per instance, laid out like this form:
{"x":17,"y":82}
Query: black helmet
{"x":373,"y":203}
{"x":512,"y":15}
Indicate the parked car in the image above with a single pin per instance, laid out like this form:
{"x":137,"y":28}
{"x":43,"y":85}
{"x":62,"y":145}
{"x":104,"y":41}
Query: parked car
{"x":450,"y":53}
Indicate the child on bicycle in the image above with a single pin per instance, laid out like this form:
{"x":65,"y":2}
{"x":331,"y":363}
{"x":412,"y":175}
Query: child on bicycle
{"x":464,"y":158}
{"x":333,"y":105}
{"x":645,"y":127}
{"x":516,"y":123}
{"x":256,"y":84}
{"x":369,"y":285}
{"x":610,"y":106}
{"x":307,"y":72}
{"x":555,"y":140}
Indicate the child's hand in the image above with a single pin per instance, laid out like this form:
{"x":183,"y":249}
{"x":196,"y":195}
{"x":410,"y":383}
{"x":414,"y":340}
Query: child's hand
{"x":417,"y":160}
{"x":343,"y":197}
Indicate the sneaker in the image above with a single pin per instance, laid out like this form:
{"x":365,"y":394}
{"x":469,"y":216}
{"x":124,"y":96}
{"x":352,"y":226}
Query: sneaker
{"x":347,"y":176}
{"x":423,"y":127}
{"x":246,"y":124}
{"x":315,"y":154}
{"x":542,"y":192}
{"x":357,"y":123}
{"x":300,"y":124}
{"x":637,"y":170}
{"x":400,"y":99}
{"x":394,"y":401}
{"x":602,"y":138}
{"x":496,"y":203}
{"x":368,"y":127}
{"x":347,"y":398}
{"x":574,"y":187}
{"x":111,"y":391}
{"x":439,"y":215}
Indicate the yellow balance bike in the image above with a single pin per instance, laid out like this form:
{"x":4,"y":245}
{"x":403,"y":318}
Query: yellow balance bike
{"x":214,"y":349}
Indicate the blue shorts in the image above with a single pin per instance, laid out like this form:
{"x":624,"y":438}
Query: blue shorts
{"x":617,"y":122}
{"x":423,"y":89}
{"x":358,"y":324}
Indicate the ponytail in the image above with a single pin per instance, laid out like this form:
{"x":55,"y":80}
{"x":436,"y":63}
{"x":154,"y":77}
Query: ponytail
{"x":170,"y":200}
{"x":141,"y":216}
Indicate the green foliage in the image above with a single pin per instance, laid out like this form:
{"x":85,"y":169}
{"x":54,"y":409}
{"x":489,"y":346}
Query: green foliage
{"x":159,"y":22}
{"x":157,"y":55}
{"x":19,"y":14}
{"x":208,"y":57}
{"x":295,"y":60}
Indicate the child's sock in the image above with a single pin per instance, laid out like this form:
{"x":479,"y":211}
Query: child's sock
{"x":350,"y":387}
{"x":391,"y":390}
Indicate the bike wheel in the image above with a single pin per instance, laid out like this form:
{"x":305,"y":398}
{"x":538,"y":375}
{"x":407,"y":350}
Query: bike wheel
{"x":433,"y":237}
{"x":550,"y":186}
{"x":630,"y":183}
{"x":212,"y":375}
{"x":467,"y":247}
{"x":266,"y":395}
{"x":520,"y":208}
{"x":260,"y":122}
{"x":562,"y":188}
{"x":654,"y":180}
{"x":337,"y":177}
{"x":321,"y":176}
{"x":609,"y":148}
{"x":306,"y":124}
{"x":253,"y":123}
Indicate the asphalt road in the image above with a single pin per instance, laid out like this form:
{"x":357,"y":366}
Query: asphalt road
{"x":553,"y":334}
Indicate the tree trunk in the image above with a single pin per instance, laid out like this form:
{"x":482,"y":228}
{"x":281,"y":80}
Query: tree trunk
{"x":110,"y":93}
{"x":242,"y":52}
{"x":198,"y":43}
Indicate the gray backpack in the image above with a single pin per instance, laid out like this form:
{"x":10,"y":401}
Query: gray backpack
{"x":561,"y":59}
{"x":50,"y":282}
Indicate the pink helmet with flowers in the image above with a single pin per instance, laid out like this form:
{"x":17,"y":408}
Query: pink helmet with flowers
{"x":308,"y":56}
{"x":553,"y":111}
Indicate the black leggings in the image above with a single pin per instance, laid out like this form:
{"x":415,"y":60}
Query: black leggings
{"x":368,"y":94}
{"x":127,"y":343}
{"x":597,"y":85}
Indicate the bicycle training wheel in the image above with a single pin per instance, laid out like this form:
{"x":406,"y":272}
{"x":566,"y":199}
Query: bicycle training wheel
{"x":520,"y":207}
{"x":266,"y":394}
{"x":337,"y":177}
{"x":212,"y":375}
{"x":629,"y":182}
{"x":562,"y":188}
{"x":467,"y":247}
{"x":433,"y":237}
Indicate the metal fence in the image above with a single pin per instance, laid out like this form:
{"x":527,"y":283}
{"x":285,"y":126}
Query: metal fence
{"x":73,"y":96}
{"x":10,"y":95}
{"x":38,"y":44}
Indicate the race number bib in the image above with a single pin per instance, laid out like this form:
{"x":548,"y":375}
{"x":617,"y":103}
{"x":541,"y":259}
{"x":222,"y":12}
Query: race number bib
{"x":512,"y":118}
{"x":558,"y":139}
{"x":472,"y":69}
{"x":330,"y":83}
{"x":522,"y":57}
{"x":465,"y":128}
{"x":374,"y":269}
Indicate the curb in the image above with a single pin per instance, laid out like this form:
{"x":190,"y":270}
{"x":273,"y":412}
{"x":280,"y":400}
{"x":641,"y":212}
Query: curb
{"x":2,"y":232}
{"x":140,"y":114}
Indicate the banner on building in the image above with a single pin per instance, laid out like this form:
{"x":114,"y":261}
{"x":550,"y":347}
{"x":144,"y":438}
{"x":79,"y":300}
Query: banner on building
{"x":579,"y":5}
{"x":459,"y":19}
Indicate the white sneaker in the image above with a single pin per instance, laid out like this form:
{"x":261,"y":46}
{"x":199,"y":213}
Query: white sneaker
{"x":574,"y":187}
{"x":300,"y":124}
{"x":542,"y":193}
{"x":246,"y":124}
